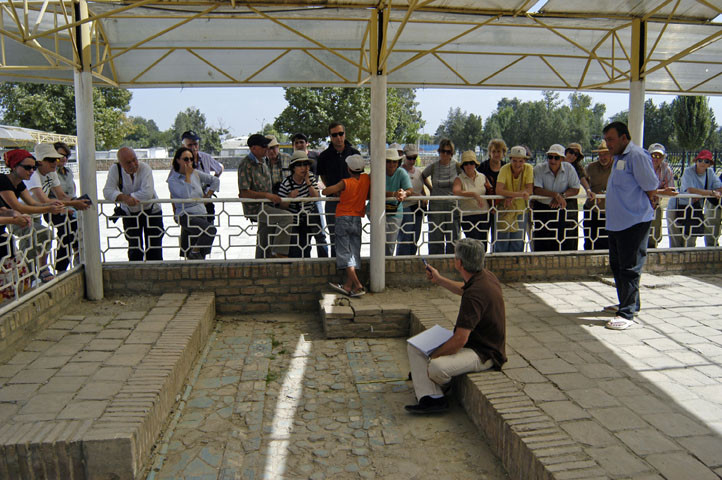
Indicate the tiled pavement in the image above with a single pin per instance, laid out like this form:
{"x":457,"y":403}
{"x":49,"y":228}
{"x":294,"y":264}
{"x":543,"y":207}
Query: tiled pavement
{"x":274,"y":399}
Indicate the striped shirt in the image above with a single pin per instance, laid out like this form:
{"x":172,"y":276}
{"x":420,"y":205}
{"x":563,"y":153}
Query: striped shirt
{"x":288,"y":184}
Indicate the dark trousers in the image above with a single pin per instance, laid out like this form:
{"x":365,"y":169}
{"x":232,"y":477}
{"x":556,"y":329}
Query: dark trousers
{"x":66,"y":228}
{"x":595,"y":235}
{"x":553,"y":227}
{"x":331,"y":222}
{"x":476,"y":226}
{"x":196,"y":232}
{"x":144,"y":233}
{"x":306,"y":227}
{"x":211,"y":209}
{"x":627,"y":254}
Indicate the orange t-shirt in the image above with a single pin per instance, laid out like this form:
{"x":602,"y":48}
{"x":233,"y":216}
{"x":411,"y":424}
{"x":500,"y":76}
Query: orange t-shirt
{"x":353,"y":197}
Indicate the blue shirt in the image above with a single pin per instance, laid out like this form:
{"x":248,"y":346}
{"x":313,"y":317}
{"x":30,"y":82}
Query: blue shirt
{"x":399,"y":180}
{"x":565,"y":179}
{"x":632,"y":175}
{"x":690,"y":179}
{"x":179,"y":188}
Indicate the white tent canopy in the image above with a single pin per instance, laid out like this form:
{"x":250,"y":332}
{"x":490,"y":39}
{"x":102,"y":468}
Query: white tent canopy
{"x":566,"y":44}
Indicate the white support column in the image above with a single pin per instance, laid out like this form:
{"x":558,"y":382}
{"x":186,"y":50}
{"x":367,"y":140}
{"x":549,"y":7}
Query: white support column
{"x":636,"y":111}
{"x":85,"y":122}
{"x":378,"y":183}
{"x":636,"y":84}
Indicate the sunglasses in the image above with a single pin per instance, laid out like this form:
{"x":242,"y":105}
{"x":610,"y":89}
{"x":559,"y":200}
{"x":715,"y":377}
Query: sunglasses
{"x":704,"y":160}
{"x":413,"y":157}
{"x":29,"y":167}
{"x":302,"y":164}
{"x":448,"y":152}
{"x":49,"y":159}
{"x":338,"y":134}
{"x":468,"y":163}
{"x":554,"y":157}
{"x":392,"y":161}
{"x":657,"y":155}
{"x":187,"y":159}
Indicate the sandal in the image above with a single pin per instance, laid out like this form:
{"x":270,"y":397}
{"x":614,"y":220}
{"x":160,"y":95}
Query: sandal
{"x":339,"y":288}
{"x":357,"y":293}
{"x":619,"y":323}
{"x":46,"y":276}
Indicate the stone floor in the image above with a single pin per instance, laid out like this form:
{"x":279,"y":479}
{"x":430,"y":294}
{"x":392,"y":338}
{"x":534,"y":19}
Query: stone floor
{"x":272,"y":398}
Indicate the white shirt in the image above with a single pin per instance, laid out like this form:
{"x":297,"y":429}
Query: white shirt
{"x":140,"y":187}
{"x":45,"y":182}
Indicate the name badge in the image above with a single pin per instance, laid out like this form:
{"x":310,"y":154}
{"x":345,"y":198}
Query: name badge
{"x":620,"y":164}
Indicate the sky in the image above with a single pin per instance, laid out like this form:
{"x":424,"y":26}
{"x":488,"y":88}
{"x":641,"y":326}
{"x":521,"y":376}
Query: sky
{"x":244,"y":110}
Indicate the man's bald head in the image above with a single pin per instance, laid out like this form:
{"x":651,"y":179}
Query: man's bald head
{"x":128,"y":160}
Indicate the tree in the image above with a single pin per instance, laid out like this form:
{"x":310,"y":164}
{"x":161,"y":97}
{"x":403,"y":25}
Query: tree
{"x":51,"y":108}
{"x":193,"y":119}
{"x":692,"y":121}
{"x":269,"y":129}
{"x":658,"y":124}
{"x":145,"y":133}
{"x":464,"y":129}
{"x":311,"y":110}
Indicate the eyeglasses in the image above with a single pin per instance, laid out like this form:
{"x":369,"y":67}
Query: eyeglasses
{"x":338,"y":134}
{"x":554,"y":157}
{"x":29,"y":167}
{"x":704,"y":160}
{"x":412,"y":157}
{"x":448,"y":152}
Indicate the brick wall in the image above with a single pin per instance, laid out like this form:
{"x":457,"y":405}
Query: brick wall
{"x":267,"y":287}
{"x":19,"y":324}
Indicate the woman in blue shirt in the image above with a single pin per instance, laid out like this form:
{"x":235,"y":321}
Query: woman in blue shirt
{"x":699,"y":179}
{"x":197,"y":233}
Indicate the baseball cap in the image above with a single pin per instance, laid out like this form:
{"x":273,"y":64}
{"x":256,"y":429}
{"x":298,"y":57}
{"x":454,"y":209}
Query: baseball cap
{"x":518,"y":151}
{"x":46,"y":150}
{"x":356,"y":163}
{"x":257,"y":140}
{"x":556,"y":149}
{"x":657,"y":148}
{"x":704,"y":155}
{"x":191,"y":135}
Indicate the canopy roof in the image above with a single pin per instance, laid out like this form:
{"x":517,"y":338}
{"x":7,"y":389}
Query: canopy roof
{"x":565,"y":44}
{"x":17,"y":137}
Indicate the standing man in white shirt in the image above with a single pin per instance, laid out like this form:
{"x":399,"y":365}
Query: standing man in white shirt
{"x":129,"y":183}
{"x":205,"y":163}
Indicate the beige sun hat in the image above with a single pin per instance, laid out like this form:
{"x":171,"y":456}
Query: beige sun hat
{"x":469,"y":156}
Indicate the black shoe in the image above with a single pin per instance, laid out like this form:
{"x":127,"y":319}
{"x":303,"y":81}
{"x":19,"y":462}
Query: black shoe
{"x":428,"y":404}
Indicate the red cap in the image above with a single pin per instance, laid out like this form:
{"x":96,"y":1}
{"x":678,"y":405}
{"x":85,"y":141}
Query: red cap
{"x":14,"y":157}
{"x":704,"y":155}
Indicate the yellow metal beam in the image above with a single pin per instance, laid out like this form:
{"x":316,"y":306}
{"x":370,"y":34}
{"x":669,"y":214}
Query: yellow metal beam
{"x":710,"y":39}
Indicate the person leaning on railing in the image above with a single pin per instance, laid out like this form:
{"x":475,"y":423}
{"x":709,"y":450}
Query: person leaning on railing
{"x":301,"y":184}
{"x":666,"y":180}
{"x":598,"y":172}
{"x":556,"y":180}
{"x":197,"y":233}
{"x":398,"y":187}
{"x":12,"y":186}
{"x":685,"y":216}
{"x":443,"y":218}
{"x":475,"y":210}
{"x":516,"y":183}
{"x":129,"y":183}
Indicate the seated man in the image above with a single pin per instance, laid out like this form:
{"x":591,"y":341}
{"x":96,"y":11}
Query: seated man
{"x":479,"y":334}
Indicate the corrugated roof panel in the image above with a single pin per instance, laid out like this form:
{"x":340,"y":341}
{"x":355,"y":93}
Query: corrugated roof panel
{"x":687,"y":9}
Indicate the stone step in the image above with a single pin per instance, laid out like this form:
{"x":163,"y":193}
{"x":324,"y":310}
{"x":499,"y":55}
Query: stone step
{"x":93,"y":402}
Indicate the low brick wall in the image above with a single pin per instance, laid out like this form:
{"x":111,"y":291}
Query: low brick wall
{"x":245,"y":287}
{"x":361,"y":318}
{"x":18,"y":325}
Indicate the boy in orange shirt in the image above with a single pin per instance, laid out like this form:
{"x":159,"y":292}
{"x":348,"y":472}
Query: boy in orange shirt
{"x":351,"y":208}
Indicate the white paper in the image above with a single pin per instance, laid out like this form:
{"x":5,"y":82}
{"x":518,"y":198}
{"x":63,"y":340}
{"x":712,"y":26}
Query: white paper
{"x":431,"y":339}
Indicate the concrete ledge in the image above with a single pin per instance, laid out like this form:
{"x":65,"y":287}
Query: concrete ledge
{"x":33,"y":314}
{"x":362,"y":317}
{"x":98,"y":414}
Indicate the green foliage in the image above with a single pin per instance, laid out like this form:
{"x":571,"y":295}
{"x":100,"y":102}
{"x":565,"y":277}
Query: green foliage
{"x":145,"y":133}
{"x":538,"y":124}
{"x":51,"y":108}
{"x":193,"y":119}
{"x":465,"y":130}
{"x":658,"y":124}
{"x":692,"y":121}
{"x":282,"y":138}
{"x":311,"y":110}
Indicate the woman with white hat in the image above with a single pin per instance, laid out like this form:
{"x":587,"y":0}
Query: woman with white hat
{"x":301,"y":184}
{"x":516,"y":183}
{"x":475,"y":210}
